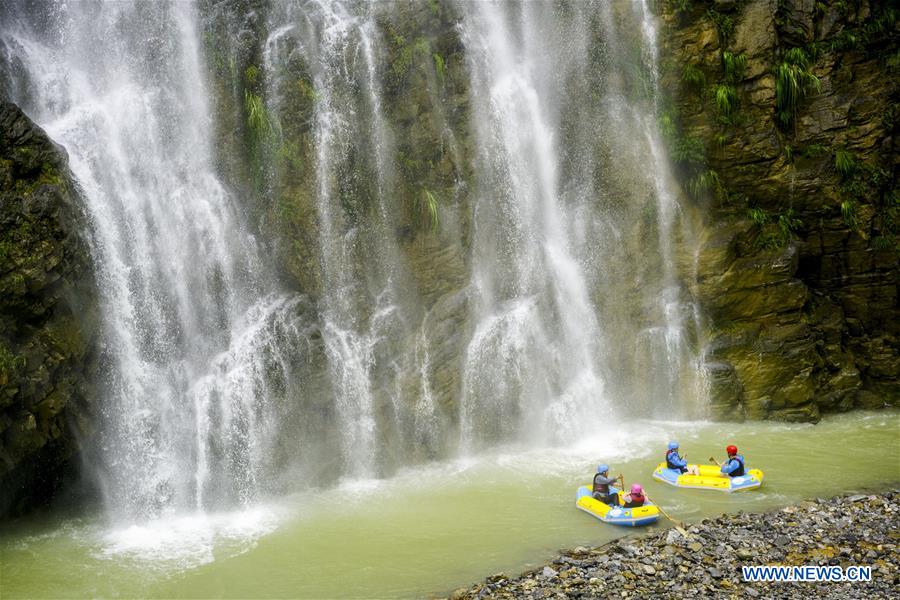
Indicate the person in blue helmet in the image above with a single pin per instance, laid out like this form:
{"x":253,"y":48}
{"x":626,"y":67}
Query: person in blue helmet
{"x":676,"y":462}
{"x":601,"y":490}
{"x":673,"y":460}
{"x":734,"y":466}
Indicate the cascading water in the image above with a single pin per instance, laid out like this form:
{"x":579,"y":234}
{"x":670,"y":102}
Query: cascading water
{"x":641,"y":231}
{"x":568,"y":310}
{"x":191,"y":316}
{"x":578,"y":310}
{"x":362,"y":317}
{"x":672,"y":360}
{"x":534,"y":360}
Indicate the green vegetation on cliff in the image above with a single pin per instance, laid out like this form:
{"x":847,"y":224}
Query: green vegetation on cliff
{"x":793,"y":83}
{"x":798,"y":270}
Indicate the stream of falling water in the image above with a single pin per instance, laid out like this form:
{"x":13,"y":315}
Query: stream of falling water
{"x":219,"y":387}
{"x":536,"y":330}
{"x":195,"y":331}
{"x":363,"y":316}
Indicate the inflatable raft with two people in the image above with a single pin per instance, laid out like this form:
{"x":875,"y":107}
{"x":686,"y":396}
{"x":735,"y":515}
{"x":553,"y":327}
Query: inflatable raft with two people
{"x":605,"y":501}
{"x":727,"y":476}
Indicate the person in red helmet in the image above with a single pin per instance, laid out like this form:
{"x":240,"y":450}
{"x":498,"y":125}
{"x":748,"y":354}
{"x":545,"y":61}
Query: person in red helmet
{"x":636,"y":497}
{"x":734,"y":466}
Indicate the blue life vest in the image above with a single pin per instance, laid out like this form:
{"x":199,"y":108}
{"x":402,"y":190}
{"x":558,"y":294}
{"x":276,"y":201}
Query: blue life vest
{"x":740,"y":470}
{"x":669,"y":463}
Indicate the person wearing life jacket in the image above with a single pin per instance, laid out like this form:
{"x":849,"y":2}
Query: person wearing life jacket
{"x":734,"y":466}
{"x":676,"y":462}
{"x":636,"y":497}
{"x":601,"y":490}
{"x":673,"y":461}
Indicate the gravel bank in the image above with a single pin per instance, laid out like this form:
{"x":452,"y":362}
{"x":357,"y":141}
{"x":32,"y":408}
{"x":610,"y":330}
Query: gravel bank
{"x":705,"y":559}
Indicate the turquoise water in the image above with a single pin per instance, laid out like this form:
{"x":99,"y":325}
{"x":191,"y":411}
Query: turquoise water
{"x":432,"y":529}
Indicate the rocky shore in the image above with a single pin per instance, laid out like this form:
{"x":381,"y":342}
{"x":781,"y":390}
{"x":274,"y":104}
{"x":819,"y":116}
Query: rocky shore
{"x":705,"y":559}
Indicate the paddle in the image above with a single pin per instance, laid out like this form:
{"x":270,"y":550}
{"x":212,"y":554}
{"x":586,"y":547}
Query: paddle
{"x":711,"y":459}
{"x":678,"y":523}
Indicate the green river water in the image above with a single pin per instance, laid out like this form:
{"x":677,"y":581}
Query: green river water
{"x":432,"y":529}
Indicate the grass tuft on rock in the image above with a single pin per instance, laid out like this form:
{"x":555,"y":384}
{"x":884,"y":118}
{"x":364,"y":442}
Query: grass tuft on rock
{"x":693,"y":77}
{"x":844,"y":162}
{"x":425,"y":208}
{"x":793,"y":84}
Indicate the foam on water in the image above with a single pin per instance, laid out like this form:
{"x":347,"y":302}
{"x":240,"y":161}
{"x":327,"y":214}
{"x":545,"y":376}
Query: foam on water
{"x":186,"y":541}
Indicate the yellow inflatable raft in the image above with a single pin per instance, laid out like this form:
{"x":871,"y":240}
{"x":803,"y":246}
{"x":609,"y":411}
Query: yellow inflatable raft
{"x":616,"y":515}
{"x":710,"y":478}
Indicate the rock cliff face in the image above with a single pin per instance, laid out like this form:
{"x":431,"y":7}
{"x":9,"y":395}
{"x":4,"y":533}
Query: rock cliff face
{"x":785,"y":112}
{"x":47,"y":315}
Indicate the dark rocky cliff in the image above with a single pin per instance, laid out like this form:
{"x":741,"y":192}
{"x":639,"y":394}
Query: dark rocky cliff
{"x":784,"y":112}
{"x":47,"y":315}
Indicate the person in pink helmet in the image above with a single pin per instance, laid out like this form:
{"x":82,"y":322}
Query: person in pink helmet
{"x":636,"y":497}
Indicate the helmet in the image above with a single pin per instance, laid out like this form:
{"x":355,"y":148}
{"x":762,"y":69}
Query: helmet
{"x":673,"y":445}
{"x":636,"y":488}
{"x":602,"y":468}
{"x":731,"y":450}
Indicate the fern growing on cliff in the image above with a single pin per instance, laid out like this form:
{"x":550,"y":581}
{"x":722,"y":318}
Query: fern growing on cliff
{"x":439,"y":67}
{"x":793,"y":83}
{"x":733,"y":65}
{"x":724,"y":25}
{"x":257,"y":117}
{"x":849,"y":214}
{"x":726,"y":101}
{"x":773,"y":230}
{"x":844,"y":162}
{"x":263,"y":129}
{"x":788,"y":153}
{"x":704,"y":181}
{"x":788,"y":223}
{"x":251,"y":75}
{"x":688,"y":151}
{"x":693,"y":77}
{"x":758,"y":216}
{"x":681,"y":6}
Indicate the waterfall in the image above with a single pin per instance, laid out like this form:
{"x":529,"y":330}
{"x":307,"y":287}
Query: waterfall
{"x":534,"y":360}
{"x":576,"y":302}
{"x":363,"y":317}
{"x":683,"y":373}
{"x":189,"y":309}
{"x":523,"y":282}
